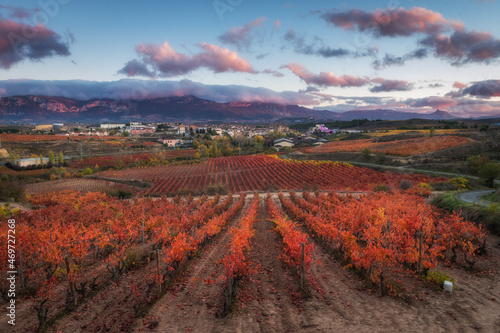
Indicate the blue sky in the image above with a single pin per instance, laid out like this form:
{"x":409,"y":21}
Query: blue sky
{"x":405,"y":55}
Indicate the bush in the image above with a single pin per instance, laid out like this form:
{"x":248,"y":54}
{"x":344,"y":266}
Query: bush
{"x":489,"y":172}
{"x":426,"y":186}
{"x":438,"y":278}
{"x":87,"y":171}
{"x":460,"y":183}
{"x":366,"y":154}
{"x":405,"y":184}
{"x":380,"y":158}
{"x":132,"y":259}
{"x":10,"y":190}
{"x":382,"y":188}
{"x":216,"y":189}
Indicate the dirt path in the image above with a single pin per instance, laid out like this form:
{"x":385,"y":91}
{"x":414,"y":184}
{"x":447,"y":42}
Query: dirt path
{"x":194,"y":302}
{"x":473,"y":197}
{"x":265,"y":300}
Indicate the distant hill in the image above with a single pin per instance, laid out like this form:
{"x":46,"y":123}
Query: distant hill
{"x":39,"y":109}
{"x":393,"y":115}
{"x":185,"y":108}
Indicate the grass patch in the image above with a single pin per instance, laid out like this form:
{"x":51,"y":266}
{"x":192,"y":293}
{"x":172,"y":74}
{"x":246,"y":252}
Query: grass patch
{"x":486,"y":216}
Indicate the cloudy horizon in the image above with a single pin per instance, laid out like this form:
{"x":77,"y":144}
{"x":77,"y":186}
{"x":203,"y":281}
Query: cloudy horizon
{"x":400,"y":56}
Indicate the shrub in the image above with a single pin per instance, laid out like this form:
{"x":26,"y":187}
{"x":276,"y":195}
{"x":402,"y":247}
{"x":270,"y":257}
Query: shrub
{"x":366,"y":154}
{"x":438,"y":278}
{"x":460,"y":183}
{"x":216,"y":189}
{"x":380,"y":158}
{"x":425,"y":185}
{"x":87,"y":171}
{"x":405,"y":184}
{"x":132,"y":259}
{"x":381,"y":188}
{"x":489,"y":172}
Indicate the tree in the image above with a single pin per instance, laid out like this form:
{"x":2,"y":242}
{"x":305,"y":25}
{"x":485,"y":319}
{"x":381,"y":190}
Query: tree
{"x":489,"y":172}
{"x":51,"y":157}
{"x":125,"y":134}
{"x":432,"y":131}
{"x":61,"y":157}
{"x":203,"y":150}
{"x":380,"y":158}
{"x":366,"y":154}
{"x":477,"y":162}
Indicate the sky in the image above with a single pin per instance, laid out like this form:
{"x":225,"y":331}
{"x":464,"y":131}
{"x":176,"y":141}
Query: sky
{"x":403,"y":55}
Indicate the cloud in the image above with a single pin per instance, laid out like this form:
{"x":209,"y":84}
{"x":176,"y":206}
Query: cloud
{"x":135,"y":68}
{"x":445,"y":38}
{"x":435,"y":102}
{"x":483,"y":89}
{"x":385,"y":85}
{"x":435,"y":85}
{"x":17,"y":12}
{"x":316,"y":46}
{"x":277,"y":24}
{"x":459,"y":85}
{"x":392,"y":60}
{"x":19,"y":42}
{"x":390,"y":22}
{"x":326,"y":78}
{"x":242,"y":36}
{"x":164,"y":61}
{"x":273,"y":73}
{"x":463,"y":47}
{"x":135,"y":89}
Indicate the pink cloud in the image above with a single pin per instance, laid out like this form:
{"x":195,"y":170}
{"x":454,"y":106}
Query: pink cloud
{"x":331,"y":80}
{"x":391,"y":22}
{"x":459,"y":85}
{"x":277,"y":24}
{"x":326,"y":78}
{"x":242,"y":36}
{"x":20,"y":42}
{"x":463,"y":47}
{"x":163,"y":60}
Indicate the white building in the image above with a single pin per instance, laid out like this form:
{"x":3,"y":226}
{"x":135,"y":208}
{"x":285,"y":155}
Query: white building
{"x":108,"y":126}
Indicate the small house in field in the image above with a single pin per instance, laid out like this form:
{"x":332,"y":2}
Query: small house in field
{"x":282,"y":143}
{"x":170,"y":141}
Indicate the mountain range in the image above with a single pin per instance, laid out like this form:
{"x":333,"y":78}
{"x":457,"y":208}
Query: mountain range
{"x":40,"y":109}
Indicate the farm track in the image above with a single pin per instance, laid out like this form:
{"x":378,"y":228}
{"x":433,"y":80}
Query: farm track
{"x":265,"y":301}
{"x":195,"y":300}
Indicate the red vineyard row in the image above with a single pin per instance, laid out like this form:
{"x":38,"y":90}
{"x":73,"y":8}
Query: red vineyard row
{"x":260,"y":172}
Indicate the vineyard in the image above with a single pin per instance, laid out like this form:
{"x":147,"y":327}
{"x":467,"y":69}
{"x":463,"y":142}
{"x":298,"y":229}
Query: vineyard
{"x":400,"y":148}
{"x":259,"y":173}
{"x":76,"y":184}
{"x":120,"y":161}
{"x":295,"y":261}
